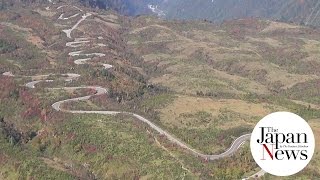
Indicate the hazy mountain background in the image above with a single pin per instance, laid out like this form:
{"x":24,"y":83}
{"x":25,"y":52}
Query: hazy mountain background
{"x":306,"y":12}
{"x":298,"y":11}
{"x":132,"y":7}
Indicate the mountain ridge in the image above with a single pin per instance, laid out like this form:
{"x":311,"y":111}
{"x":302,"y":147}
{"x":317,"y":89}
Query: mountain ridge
{"x":299,"y":11}
{"x":304,"y":12}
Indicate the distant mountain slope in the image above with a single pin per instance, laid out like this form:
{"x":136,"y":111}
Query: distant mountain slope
{"x":299,"y":11}
{"x":132,"y":7}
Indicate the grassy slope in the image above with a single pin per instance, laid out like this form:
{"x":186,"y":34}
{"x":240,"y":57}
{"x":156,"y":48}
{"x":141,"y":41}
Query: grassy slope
{"x":210,"y":82}
{"x":227,"y":77}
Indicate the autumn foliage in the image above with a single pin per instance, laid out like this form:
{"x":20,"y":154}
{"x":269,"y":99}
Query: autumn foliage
{"x":32,"y":104}
{"x":7,"y":87}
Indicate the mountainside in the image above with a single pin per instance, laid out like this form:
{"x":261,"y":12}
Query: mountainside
{"x":132,"y":7}
{"x":299,"y":11}
{"x":305,"y":12}
{"x":91,"y":94}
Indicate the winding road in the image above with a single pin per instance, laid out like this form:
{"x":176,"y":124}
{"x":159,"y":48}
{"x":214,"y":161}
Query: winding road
{"x":100,"y":91}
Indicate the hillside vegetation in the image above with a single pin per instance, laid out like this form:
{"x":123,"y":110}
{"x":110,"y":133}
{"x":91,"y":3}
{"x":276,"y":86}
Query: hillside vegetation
{"x":227,"y":77}
{"x":204,"y":84}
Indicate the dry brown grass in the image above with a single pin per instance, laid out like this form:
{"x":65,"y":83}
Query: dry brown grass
{"x":192,"y":105}
{"x":315,"y":125}
{"x":306,"y":104}
{"x":242,"y":62}
{"x":273,"y":26}
{"x":270,"y":41}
